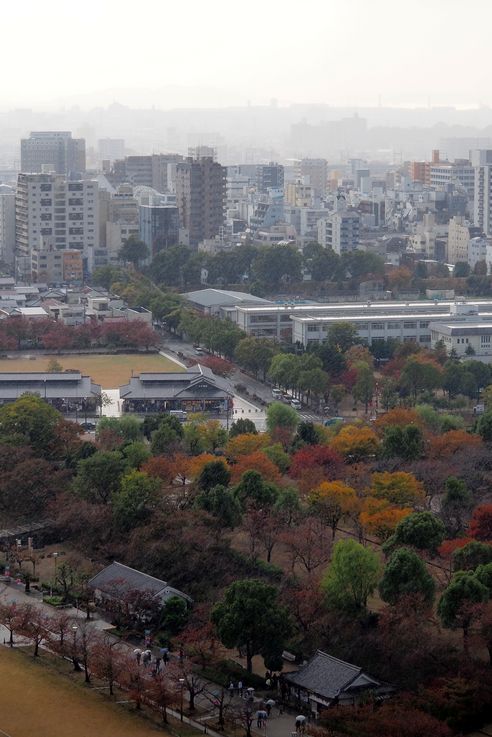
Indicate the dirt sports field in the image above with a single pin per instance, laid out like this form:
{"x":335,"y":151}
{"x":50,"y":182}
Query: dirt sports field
{"x":36,"y":702}
{"x":111,"y":371}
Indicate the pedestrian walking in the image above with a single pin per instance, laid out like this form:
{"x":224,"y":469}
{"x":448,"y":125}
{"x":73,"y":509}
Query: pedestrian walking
{"x":231,"y":689}
{"x":258,"y":718}
{"x":300,"y":723}
{"x":158,"y":662}
{"x":264,"y":717}
{"x":269,"y":705}
{"x":146,"y":657}
{"x":164,"y":653}
{"x":138,"y":654}
{"x":240,"y":688}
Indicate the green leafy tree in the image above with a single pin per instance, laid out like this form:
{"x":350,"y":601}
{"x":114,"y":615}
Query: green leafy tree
{"x":278,"y":456}
{"x":254,"y":491}
{"x":472,"y":555}
{"x":277,"y":264}
{"x":255,"y":354}
{"x":135,"y":454}
{"x":405,"y":442}
{"x":133,"y":250}
{"x":243,"y":427}
{"x":32,"y":421}
{"x":314,"y":382}
{"x":351,"y":577}
{"x":281,"y":416}
{"x":484,"y":427}
{"x":284,"y":370}
{"x":167,"y":437}
{"x":456,"y":505}
{"x":459,"y":605}
{"x":388,"y":393}
{"x":484,"y":575}
{"x":174,"y":615}
{"x":214,"y":473}
{"x":222,"y":504}
{"x":405,"y":574}
{"x":342,"y":336}
{"x":98,"y":477}
{"x":307,"y":434}
{"x":461,"y":269}
{"x":251,"y":617}
{"x":421,"y":530}
{"x":418,"y":376}
{"x":127,"y":428}
{"x":134,"y":500}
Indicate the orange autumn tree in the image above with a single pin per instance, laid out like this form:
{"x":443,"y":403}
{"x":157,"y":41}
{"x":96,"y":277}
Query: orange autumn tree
{"x":243,"y":445}
{"x":160,"y":468}
{"x":446,"y":445}
{"x":257,"y":461}
{"x":196,"y":463}
{"x":333,"y":500}
{"x":378,"y":517}
{"x":399,"y":416}
{"x":399,"y":488}
{"x":356,"y":442}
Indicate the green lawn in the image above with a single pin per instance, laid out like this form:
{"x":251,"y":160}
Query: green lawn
{"x":111,"y":371}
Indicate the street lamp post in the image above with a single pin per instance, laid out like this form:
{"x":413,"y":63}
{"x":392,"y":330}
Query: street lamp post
{"x":181,"y":682}
{"x":76,"y":665}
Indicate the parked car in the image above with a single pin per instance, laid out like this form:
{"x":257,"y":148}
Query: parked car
{"x":295,"y":403}
{"x":88,"y":426}
{"x":333,"y":421}
{"x":277,"y":393}
{"x":479,"y":409}
{"x":179,"y":413}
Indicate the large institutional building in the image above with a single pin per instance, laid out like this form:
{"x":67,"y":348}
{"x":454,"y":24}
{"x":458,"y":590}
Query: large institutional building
{"x":53,"y":151}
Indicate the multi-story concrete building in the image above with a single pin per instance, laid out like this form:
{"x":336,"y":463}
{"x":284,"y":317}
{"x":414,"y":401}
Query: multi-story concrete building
{"x":460,"y":232}
{"x":299,"y":194}
{"x":53,"y":151}
{"x":268,"y":176}
{"x":155,"y":170}
{"x":7,"y":224}
{"x":57,"y":267}
{"x":309,"y":323}
{"x":446,"y":172}
{"x":317,"y":171}
{"x":159,"y":227}
{"x":201,"y":198}
{"x":53,"y":212}
{"x":482,"y":203}
{"x":119,"y":219}
{"x":340,"y":230}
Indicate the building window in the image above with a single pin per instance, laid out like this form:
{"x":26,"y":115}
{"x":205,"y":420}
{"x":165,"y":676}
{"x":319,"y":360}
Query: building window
{"x":377,"y":325}
{"x":409,"y":325}
{"x":393,"y":325}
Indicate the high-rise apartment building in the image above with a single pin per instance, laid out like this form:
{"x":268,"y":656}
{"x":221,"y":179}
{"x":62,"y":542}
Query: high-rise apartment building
{"x":269,"y":176}
{"x":159,"y":227}
{"x":7,"y":224}
{"x":482,"y":203}
{"x":317,"y":171}
{"x":53,"y":212}
{"x":460,"y":233}
{"x":53,"y":151}
{"x":200,"y":196}
{"x":340,"y":230}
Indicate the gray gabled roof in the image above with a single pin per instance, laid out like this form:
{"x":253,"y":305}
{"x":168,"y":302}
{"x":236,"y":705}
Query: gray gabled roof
{"x":327,"y":676}
{"x":213,"y":297}
{"x":116,"y":580}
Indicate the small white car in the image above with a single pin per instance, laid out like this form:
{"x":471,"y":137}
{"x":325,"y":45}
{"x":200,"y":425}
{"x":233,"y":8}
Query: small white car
{"x":277,"y":393}
{"x":295,"y":403}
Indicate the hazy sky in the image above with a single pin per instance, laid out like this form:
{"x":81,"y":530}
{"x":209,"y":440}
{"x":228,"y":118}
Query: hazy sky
{"x":218,"y":52}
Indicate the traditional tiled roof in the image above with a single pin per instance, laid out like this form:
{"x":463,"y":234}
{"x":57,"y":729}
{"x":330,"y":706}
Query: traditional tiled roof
{"x":328,"y":677}
{"x":117,"y":580}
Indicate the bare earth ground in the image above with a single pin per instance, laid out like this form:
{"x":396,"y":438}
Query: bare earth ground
{"x":111,"y":371}
{"x":36,"y":702}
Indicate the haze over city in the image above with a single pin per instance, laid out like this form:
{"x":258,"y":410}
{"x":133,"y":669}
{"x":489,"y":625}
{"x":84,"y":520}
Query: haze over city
{"x":197,"y":54}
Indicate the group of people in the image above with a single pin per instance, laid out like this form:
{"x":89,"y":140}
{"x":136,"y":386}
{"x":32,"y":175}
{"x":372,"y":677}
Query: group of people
{"x":146,"y":658}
